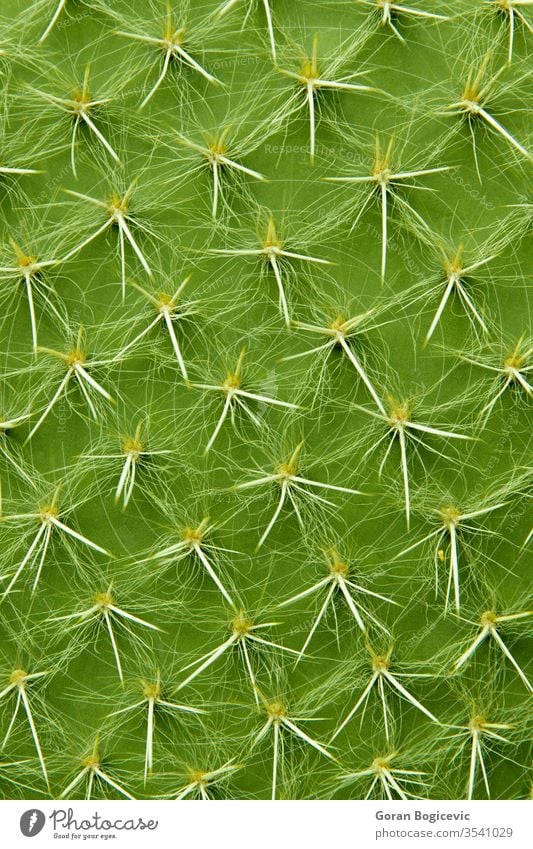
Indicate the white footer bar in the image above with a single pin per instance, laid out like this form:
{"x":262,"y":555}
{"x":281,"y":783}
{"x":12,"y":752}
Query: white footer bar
{"x":267,"y":825}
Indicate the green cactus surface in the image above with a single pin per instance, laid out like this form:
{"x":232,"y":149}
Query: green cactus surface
{"x":265,"y":382}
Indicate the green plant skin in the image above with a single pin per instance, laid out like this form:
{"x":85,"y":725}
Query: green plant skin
{"x":235,"y":305}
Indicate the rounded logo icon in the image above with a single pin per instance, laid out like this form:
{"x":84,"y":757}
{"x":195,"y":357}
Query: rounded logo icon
{"x":32,"y":822}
